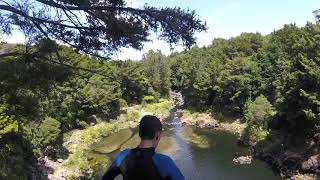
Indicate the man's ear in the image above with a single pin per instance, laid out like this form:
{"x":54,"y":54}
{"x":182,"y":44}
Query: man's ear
{"x":158,"y":135}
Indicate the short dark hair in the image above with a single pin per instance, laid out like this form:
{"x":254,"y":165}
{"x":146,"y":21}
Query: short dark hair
{"x":149,"y":126}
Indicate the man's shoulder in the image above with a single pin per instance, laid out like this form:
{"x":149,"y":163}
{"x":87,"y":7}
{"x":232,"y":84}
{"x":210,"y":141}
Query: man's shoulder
{"x":163,"y":161}
{"x":162,"y":157}
{"x":167,"y":167}
{"x":122,"y":155}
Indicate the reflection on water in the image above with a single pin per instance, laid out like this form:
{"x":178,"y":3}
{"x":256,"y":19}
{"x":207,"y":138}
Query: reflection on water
{"x":199,"y":153}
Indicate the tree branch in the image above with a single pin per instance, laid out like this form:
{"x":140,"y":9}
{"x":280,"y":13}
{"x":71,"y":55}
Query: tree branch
{"x":84,"y":8}
{"x":31,"y":18}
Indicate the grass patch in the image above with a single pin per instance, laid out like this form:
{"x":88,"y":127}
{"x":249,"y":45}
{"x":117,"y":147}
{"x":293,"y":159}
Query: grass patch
{"x":87,"y":163}
{"x":255,"y":134}
{"x":196,"y":118}
{"x":97,"y":132}
{"x":159,"y":109}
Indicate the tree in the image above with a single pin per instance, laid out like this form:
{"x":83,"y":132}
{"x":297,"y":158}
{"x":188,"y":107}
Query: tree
{"x":158,"y":71}
{"x":258,"y":112}
{"x":98,"y":27}
{"x":8,"y":124}
{"x":298,"y":101}
{"x":47,"y":133}
{"x":134,"y":84}
{"x":316,"y":14}
{"x":237,"y":83}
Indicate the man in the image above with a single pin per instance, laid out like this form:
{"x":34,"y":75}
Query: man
{"x":142,"y":163}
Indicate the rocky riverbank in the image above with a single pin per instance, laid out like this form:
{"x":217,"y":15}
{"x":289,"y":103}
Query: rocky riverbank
{"x":290,"y":159}
{"x":287,"y":156}
{"x":291,"y":162}
{"x":207,"y":120}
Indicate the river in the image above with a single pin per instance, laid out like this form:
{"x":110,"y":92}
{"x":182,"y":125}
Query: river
{"x":201,"y":154}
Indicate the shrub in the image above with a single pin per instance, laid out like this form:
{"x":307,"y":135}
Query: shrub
{"x":148,"y":100}
{"x":82,"y":124}
{"x":8,"y":124}
{"x":159,"y":108}
{"x":46,"y":134}
{"x":255,"y":134}
{"x":123,"y":103}
{"x":132,"y":115}
{"x":258,"y":112}
{"x":97,"y":132}
{"x":86,"y":162}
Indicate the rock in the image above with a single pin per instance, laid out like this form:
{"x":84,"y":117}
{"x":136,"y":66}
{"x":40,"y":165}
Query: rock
{"x":291,"y":160}
{"x":92,"y":120}
{"x":313,"y":163}
{"x":243,"y":160}
{"x":177,"y":99}
{"x":304,"y":177}
{"x":208,"y":125}
{"x":50,"y":152}
{"x":134,"y":125}
{"x":316,"y":137}
{"x":60,"y":160}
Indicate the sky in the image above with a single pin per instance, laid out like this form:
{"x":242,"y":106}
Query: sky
{"x":224,"y":18}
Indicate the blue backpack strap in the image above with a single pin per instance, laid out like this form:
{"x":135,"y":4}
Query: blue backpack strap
{"x":166,"y":167}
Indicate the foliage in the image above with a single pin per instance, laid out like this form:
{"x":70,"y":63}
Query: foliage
{"x":44,"y":95}
{"x":95,"y":133}
{"x":283,"y":66}
{"x":254,"y":134}
{"x":148,"y":100}
{"x":86,"y":163}
{"x":259,"y":112}
{"x":41,"y":99}
{"x":47,"y":133}
{"x":133,"y":83}
{"x":158,"y":72}
{"x":123,"y":103}
{"x":95,"y":26}
{"x":132,"y":115}
{"x":14,"y":158}
{"x":159,"y":109}
{"x":8,"y":124}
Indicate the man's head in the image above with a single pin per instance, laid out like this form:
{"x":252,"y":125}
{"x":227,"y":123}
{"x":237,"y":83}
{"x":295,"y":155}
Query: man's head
{"x":150,"y":129}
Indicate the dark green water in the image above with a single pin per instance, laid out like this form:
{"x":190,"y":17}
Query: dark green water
{"x":201,"y":154}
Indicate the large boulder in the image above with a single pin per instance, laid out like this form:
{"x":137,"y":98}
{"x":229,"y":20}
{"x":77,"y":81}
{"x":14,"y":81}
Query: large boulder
{"x":243,"y":160}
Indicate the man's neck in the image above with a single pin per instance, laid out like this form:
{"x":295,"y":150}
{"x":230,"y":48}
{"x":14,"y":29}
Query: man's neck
{"x":146,"y":144}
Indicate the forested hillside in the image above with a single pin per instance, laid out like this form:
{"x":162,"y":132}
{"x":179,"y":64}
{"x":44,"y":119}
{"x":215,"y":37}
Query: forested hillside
{"x":41,"y":98}
{"x":272,"y":81}
{"x":281,"y":69}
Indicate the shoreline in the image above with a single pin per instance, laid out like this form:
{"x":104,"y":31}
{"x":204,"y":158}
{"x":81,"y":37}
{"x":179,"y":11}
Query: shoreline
{"x":280,"y":162}
{"x":77,"y":145}
{"x":78,"y":162}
